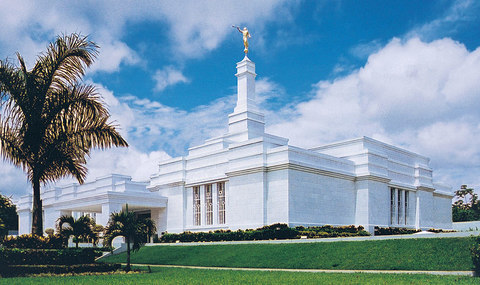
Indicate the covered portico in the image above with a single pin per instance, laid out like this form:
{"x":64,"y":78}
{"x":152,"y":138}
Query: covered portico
{"x":97,"y":199}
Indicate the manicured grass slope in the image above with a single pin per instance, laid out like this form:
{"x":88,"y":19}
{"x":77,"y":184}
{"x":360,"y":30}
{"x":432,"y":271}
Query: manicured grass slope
{"x":399,"y":254}
{"x":203,"y":276}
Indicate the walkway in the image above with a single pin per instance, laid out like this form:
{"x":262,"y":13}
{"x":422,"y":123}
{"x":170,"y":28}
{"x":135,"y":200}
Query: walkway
{"x":465,"y":273}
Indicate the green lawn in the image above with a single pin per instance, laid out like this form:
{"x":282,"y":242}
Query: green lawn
{"x":203,"y":276}
{"x":401,"y":254}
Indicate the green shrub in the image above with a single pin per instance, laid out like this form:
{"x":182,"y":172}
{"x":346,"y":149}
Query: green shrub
{"x":67,"y":256}
{"x":394,"y":231}
{"x":34,"y":241}
{"x":432,"y":230}
{"x":275,"y":231}
{"x":475,"y":251}
{"x":25,"y":270}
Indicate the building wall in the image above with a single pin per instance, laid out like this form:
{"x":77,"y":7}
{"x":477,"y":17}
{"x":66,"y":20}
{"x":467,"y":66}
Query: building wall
{"x":175,"y":222}
{"x":372,"y":205}
{"x":277,"y":197}
{"x":245,"y":201}
{"x":318,"y":199}
{"x":425,"y":210}
{"x":442,"y":218}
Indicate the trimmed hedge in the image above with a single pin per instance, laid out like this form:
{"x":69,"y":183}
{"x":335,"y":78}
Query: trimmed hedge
{"x":330,"y":231}
{"x":34,"y":241}
{"x":25,"y":270}
{"x":475,"y":252}
{"x":394,"y":231}
{"x":275,"y":231}
{"x":67,"y":256}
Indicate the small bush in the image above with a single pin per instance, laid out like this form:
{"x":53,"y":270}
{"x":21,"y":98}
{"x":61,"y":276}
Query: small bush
{"x":34,"y":241}
{"x":25,"y":270}
{"x":475,"y":251}
{"x":394,"y":231}
{"x":67,"y":256}
{"x":441,"y":231}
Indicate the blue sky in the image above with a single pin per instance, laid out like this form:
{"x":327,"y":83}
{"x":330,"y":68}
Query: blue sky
{"x":404,"y":72}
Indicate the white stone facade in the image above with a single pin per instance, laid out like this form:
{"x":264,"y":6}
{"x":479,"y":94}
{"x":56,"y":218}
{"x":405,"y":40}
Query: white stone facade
{"x":248,"y":178}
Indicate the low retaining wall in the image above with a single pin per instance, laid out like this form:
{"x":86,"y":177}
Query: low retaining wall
{"x":467,"y":226}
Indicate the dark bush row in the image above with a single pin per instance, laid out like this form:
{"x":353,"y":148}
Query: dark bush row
{"x":275,"y":231}
{"x":394,"y":231}
{"x":34,"y":241}
{"x":331,"y":231}
{"x":25,"y":270}
{"x":67,"y":256}
{"x":440,"y":231}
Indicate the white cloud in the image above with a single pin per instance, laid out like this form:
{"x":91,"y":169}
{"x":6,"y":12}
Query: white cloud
{"x":168,"y":76}
{"x":199,"y":26}
{"x":127,"y":161}
{"x":192,"y":27}
{"x":418,"y":95}
{"x":459,"y":13}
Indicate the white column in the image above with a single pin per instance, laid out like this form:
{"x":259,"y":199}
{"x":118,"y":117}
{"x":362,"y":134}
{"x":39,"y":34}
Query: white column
{"x":24,"y":222}
{"x":107,"y":209}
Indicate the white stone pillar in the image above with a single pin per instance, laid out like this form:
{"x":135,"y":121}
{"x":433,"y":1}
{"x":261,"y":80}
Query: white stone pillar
{"x":24,"y":222}
{"x":51,"y":217}
{"x":107,"y":209}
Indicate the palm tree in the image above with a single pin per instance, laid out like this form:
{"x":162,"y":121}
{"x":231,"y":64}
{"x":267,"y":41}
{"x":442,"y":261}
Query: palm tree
{"x":135,"y":230}
{"x":49,"y":119}
{"x":80,"y":228}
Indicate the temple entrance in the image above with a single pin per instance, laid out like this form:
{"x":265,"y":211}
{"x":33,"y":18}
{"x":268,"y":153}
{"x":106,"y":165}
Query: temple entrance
{"x":144,"y":214}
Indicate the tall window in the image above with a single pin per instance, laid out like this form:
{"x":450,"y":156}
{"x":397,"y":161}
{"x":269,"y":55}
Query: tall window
{"x":209,"y":204}
{"x":221,"y":202}
{"x":392,"y":206}
{"x":197,"y":213}
{"x":406,"y":207}
{"x":399,"y":206}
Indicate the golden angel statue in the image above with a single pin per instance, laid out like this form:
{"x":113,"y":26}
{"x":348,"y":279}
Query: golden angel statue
{"x":246,"y":35}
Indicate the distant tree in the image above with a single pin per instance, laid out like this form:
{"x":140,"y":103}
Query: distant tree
{"x":135,"y":230}
{"x":50,"y":120}
{"x":467,"y":206}
{"x":3,"y":230}
{"x":80,"y":228}
{"x":8,"y":213}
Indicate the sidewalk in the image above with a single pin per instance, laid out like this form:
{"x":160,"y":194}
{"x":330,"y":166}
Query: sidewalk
{"x":463,"y":273}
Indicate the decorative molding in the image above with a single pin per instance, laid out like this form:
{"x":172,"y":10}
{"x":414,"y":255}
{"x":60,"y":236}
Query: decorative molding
{"x":291,"y":166}
{"x":209,"y":181}
{"x":165,"y":186}
{"x":246,"y":171}
{"x":373,"y":178}
{"x":425,"y":188}
{"x":443,"y":194}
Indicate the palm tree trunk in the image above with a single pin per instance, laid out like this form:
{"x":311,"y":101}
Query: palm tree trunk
{"x":128,"y":255}
{"x":37,"y":223}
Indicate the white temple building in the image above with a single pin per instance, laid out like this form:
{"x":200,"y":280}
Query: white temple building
{"x":248,"y":179}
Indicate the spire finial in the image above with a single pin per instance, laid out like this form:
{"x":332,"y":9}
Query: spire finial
{"x":246,"y":35}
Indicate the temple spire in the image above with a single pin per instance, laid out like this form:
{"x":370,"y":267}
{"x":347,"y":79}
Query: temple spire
{"x":246,"y":121}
